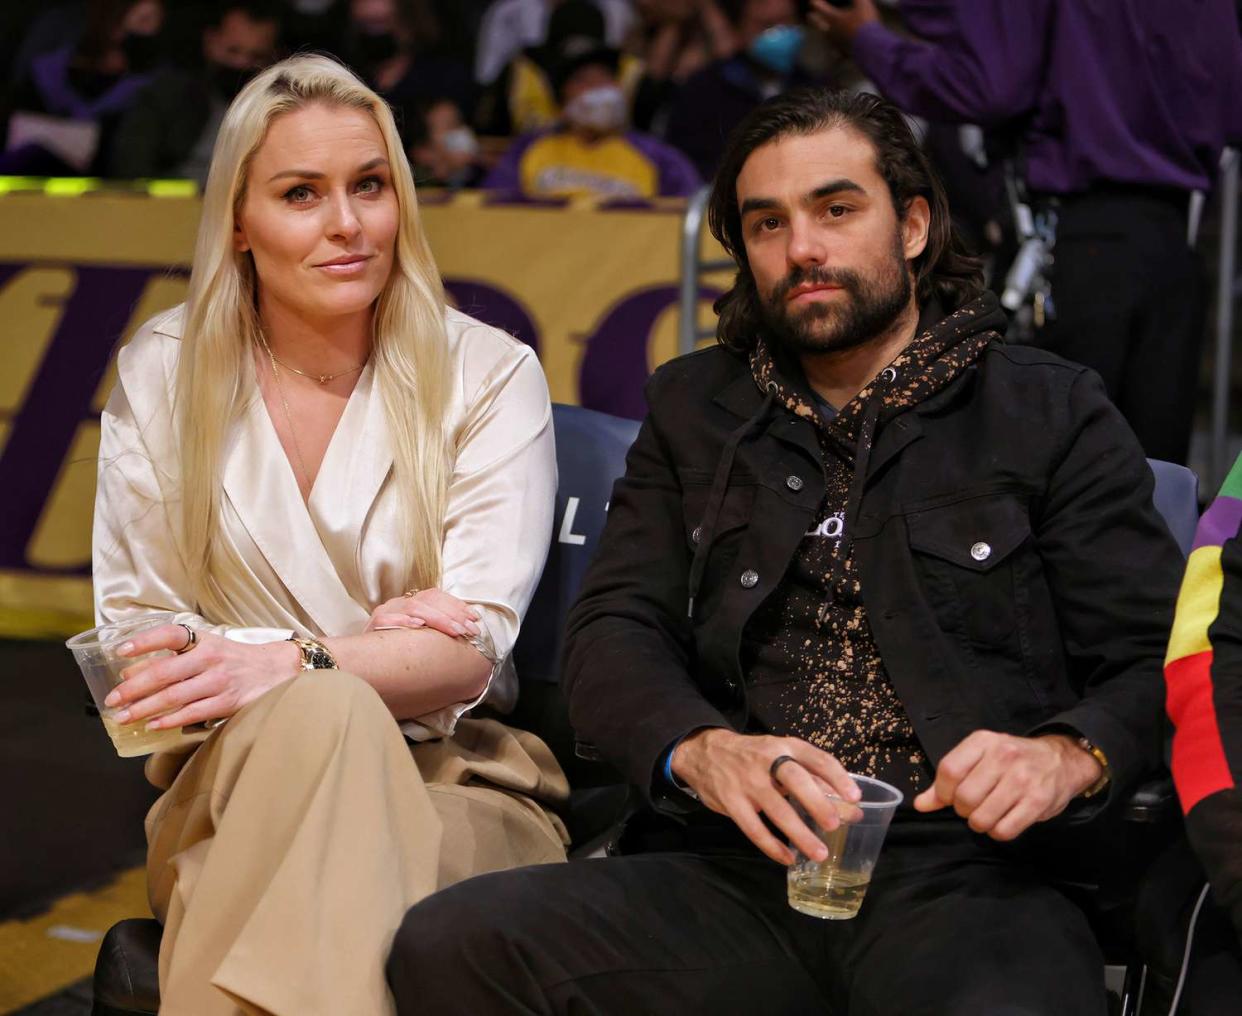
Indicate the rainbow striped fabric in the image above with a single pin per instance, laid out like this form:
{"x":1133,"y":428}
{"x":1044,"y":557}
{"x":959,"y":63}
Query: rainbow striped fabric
{"x":1200,"y":767}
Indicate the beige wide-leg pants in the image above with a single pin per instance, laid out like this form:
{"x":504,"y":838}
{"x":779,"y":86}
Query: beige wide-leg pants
{"x":289,"y":844}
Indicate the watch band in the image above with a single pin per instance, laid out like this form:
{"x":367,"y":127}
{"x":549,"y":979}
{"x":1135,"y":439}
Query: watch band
{"x":1105,"y":773}
{"x":315,"y":655}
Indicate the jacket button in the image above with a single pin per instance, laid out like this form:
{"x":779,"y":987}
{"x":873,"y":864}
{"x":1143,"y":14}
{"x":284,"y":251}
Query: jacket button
{"x":697,"y":535}
{"x":981,"y":551}
{"x":749,"y":579}
{"x":793,"y":482}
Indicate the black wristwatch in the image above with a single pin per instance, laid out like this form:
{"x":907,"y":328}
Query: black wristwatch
{"x":315,"y":655}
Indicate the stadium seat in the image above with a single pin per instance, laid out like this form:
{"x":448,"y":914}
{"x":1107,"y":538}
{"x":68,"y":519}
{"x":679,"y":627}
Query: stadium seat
{"x":590,"y":455}
{"x":591,"y":451}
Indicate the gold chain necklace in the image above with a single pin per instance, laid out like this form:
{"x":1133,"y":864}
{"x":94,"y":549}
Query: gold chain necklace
{"x":323,"y":379}
{"x":293,"y":434}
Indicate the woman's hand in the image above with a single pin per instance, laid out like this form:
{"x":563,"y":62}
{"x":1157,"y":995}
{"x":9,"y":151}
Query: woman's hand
{"x":211,"y":681}
{"x":431,"y":608}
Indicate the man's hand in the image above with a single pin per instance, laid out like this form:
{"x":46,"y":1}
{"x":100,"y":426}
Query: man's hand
{"x":1002,"y":785}
{"x":730,"y":773}
{"x":841,"y":24}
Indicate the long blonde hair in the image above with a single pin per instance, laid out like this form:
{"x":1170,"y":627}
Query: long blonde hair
{"x":409,"y":349}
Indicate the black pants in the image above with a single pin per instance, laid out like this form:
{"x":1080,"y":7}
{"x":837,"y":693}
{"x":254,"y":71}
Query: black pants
{"x":1130,"y":301}
{"x":949,"y":926}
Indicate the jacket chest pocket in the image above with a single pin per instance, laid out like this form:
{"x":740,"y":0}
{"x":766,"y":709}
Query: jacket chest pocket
{"x":969,"y":556}
{"x":731,"y":525}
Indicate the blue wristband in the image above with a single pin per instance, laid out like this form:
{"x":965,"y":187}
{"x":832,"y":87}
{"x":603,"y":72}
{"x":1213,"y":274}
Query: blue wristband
{"x":668,"y":762}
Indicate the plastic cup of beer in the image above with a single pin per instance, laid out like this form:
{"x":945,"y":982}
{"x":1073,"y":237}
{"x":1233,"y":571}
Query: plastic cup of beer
{"x":96,"y":655}
{"x":833,"y":889}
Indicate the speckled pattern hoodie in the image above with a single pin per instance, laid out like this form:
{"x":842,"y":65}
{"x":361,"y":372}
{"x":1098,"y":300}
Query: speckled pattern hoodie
{"x":811,"y":663}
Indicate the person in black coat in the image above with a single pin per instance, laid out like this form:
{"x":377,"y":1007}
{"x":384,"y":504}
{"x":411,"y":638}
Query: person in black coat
{"x":864,"y":535}
{"x":171,"y":129}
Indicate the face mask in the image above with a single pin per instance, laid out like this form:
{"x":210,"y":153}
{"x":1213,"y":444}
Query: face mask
{"x":601,"y":109}
{"x":228,"y":81}
{"x":460,"y":141}
{"x":141,"y":51}
{"x":777,"y":48}
{"x":372,"y":48}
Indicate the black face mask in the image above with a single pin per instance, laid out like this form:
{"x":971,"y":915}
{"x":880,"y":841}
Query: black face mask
{"x":142,"y":52}
{"x":226,"y":82}
{"x":373,"y":48}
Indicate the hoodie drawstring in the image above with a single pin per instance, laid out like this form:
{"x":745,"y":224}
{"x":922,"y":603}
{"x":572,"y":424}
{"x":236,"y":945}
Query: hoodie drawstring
{"x":716,"y":496}
{"x":862,"y":459}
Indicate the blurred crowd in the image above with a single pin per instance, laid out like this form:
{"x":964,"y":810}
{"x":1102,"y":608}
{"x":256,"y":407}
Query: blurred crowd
{"x":616,"y":98}
{"x":1094,"y":128}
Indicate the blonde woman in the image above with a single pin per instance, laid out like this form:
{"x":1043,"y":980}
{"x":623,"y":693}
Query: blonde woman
{"x":286,"y":460}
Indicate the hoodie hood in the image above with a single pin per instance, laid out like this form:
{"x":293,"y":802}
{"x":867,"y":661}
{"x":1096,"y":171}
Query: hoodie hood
{"x":943,"y":346}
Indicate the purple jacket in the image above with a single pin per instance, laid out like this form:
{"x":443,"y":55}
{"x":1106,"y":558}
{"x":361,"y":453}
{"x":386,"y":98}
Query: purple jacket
{"x":1128,"y":91}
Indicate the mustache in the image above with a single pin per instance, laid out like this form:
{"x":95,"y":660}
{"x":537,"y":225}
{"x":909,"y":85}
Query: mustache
{"x":843,"y":277}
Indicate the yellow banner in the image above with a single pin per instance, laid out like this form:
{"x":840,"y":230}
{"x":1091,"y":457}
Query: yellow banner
{"x":592,"y":287}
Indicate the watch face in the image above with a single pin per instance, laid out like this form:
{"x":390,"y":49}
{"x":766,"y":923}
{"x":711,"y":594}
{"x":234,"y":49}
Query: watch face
{"x":320,"y":659}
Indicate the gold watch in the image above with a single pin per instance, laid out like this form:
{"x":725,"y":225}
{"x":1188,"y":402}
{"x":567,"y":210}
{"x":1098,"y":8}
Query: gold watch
{"x":1105,"y":773}
{"x":315,"y":655}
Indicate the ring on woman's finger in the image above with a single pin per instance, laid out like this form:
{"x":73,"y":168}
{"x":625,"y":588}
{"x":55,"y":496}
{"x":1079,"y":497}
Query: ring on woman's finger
{"x":777,"y":762}
{"x":411,"y":592}
{"x":219,"y":721}
{"x":191,"y":639}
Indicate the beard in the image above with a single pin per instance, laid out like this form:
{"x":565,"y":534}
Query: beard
{"x":866,"y":309}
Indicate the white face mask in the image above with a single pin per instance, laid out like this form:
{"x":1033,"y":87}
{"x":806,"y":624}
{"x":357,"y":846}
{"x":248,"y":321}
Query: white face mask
{"x":602,"y":109}
{"x":460,"y":141}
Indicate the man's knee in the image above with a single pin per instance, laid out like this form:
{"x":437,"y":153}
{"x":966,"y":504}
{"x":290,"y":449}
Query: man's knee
{"x":472,"y":932}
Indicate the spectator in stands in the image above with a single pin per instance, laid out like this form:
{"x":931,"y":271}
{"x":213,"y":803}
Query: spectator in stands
{"x":291,"y":462}
{"x":394,"y":46}
{"x":864,"y":535}
{"x":66,"y":108}
{"x":511,"y":26}
{"x":1204,"y":678}
{"x":171,"y":128}
{"x":592,"y":152}
{"x":1117,"y":112}
{"x":713,"y":101}
{"x":523,"y":97}
{"x":444,"y":151}
{"x":316,"y":26}
{"x":675,"y":39}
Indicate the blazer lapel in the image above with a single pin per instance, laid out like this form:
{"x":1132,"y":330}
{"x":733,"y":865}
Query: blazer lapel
{"x":261,"y":487}
{"x":351,"y":477}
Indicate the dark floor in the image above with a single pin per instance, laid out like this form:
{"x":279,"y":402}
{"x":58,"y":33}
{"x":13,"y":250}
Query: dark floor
{"x":73,"y":1001}
{"x":72,"y":809}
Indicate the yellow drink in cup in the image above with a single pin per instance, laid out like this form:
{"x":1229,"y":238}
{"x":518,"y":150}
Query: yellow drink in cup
{"x":96,"y":654}
{"x":833,"y":889}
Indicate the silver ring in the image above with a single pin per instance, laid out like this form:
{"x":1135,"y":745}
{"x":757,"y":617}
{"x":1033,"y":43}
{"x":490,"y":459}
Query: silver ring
{"x":191,"y":639}
{"x":777,"y":762}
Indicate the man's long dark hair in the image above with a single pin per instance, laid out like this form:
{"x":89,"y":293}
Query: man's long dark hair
{"x":944,"y":270}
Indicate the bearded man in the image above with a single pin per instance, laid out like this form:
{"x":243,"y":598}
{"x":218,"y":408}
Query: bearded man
{"x":861,"y":534}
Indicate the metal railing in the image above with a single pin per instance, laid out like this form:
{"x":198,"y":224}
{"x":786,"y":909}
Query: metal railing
{"x":693,"y":268}
{"x":1228,"y":289}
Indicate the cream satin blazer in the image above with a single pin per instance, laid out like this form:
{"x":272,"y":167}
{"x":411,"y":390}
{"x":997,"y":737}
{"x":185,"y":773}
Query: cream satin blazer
{"x":320,"y":568}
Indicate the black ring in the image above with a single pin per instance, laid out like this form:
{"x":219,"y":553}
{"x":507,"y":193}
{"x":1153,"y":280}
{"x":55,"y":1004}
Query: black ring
{"x":777,"y":762}
{"x":191,"y":639}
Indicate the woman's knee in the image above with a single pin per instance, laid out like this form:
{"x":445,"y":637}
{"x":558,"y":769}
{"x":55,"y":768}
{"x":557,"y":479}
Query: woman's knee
{"x":330,"y":698}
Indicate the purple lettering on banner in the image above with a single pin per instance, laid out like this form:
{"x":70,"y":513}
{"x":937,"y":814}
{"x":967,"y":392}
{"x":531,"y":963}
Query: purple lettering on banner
{"x":59,"y":399}
{"x":494,"y":307}
{"x":614,"y":366}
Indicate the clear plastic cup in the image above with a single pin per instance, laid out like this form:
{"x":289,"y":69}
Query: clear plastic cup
{"x":833,"y":889}
{"x":96,"y":654}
